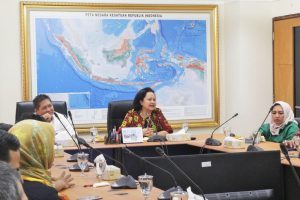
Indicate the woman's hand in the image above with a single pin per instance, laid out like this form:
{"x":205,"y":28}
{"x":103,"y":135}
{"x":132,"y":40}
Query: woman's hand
{"x":289,"y":144}
{"x":162,"y":133}
{"x":63,"y":181}
{"x":147,"y":132}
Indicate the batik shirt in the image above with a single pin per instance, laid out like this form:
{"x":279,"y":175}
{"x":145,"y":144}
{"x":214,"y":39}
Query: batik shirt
{"x":156,"y":121}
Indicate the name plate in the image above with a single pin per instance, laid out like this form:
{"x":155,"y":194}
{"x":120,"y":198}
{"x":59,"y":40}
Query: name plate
{"x":132,"y":135}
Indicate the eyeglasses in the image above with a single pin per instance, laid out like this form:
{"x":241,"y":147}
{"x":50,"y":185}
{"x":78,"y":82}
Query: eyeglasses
{"x":279,"y":112}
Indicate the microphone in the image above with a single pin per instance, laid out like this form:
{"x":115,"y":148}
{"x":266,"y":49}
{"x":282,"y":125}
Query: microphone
{"x":72,"y":158}
{"x":76,"y":135}
{"x":149,"y":119}
{"x":163,"y":154}
{"x":252,"y":147}
{"x":214,"y":142}
{"x":125,"y":182}
{"x":166,"y":194}
{"x":286,"y":154}
{"x":155,"y":137}
{"x":77,"y":145}
{"x":146,"y":124}
{"x":284,"y":151}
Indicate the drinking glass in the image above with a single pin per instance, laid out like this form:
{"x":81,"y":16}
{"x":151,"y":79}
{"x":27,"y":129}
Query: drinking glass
{"x":82,"y":159}
{"x":94,"y":133}
{"x":296,"y":140}
{"x":227,"y":131}
{"x":179,"y":195}
{"x":258,"y":137}
{"x":146,"y":183}
{"x":185,"y":127}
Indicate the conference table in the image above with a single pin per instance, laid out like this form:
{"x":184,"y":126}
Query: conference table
{"x":290,"y":187}
{"x":199,"y":143}
{"x":83,"y":188}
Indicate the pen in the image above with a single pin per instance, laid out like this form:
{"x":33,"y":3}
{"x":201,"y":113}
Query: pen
{"x":88,"y":185}
{"x":121,"y":193}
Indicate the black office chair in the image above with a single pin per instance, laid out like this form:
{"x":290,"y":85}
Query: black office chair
{"x":5,"y":127}
{"x":26,"y":107}
{"x":298,"y":120}
{"x":116,"y":112}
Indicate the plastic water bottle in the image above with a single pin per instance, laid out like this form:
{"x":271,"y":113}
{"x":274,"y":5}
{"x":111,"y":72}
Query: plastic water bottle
{"x":113,"y":136}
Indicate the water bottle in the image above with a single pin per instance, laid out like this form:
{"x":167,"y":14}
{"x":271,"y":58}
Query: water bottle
{"x":113,"y":136}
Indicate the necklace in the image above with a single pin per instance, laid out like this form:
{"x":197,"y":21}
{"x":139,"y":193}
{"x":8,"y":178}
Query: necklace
{"x":145,"y":115}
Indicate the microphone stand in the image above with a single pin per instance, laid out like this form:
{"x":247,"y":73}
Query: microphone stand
{"x":70,"y":115}
{"x":125,"y":182}
{"x":155,"y":137}
{"x":77,"y":144}
{"x":166,"y":195}
{"x":286,"y":154}
{"x":73,"y":158}
{"x":252,"y":147}
{"x":214,"y":142}
{"x":163,"y":154}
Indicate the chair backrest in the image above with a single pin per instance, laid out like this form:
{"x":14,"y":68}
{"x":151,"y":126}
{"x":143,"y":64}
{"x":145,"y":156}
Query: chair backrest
{"x":5,"y":127}
{"x":116,"y":112}
{"x":24,"y":107}
{"x":298,"y":120}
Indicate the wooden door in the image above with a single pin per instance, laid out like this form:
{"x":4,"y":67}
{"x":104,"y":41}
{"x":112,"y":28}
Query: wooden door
{"x":283,"y":57}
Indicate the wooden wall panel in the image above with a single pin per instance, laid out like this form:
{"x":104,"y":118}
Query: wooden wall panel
{"x":283,"y":57}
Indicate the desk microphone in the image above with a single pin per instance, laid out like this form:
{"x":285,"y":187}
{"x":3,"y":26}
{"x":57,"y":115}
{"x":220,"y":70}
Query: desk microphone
{"x":73,"y":126}
{"x":72,"y":158}
{"x":163,"y":154}
{"x":155,"y":137}
{"x":166,"y":194}
{"x":76,"y":143}
{"x":125,"y":182}
{"x":286,"y":154}
{"x":252,"y":147}
{"x":76,"y":135}
{"x":214,"y":142}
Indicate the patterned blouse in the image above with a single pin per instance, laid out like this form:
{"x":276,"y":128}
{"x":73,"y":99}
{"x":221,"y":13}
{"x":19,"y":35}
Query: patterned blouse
{"x":157,"y":121}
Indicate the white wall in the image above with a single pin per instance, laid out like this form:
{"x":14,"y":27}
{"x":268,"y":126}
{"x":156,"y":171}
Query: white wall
{"x":10,"y":60}
{"x":248,"y":63}
{"x":285,"y":7}
{"x":245,"y":30}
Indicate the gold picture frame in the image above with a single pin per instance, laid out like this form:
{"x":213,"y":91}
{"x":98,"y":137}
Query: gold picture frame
{"x":201,"y":23}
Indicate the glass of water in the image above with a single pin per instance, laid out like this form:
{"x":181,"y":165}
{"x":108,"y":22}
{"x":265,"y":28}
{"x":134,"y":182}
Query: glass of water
{"x":94,"y":133}
{"x":296,"y":140}
{"x":226,"y":131}
{"x":179,"y":195}
{"x":146,"y":183}
{"x":82,"y":160}
{"x":185,"y":127}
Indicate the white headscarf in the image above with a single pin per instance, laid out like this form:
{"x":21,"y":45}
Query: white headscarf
{"x":288,"y":117}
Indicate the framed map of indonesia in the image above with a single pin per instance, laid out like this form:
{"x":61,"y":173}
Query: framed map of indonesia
{"x":91,"y":54}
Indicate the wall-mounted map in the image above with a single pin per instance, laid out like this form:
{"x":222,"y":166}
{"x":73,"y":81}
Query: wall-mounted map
{"x":91,"y":58}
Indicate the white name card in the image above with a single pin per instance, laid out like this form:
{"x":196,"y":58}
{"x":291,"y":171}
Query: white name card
{"x":132,"y":135}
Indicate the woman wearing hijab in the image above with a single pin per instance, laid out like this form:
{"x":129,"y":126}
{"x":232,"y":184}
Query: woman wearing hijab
{"x":37,"y":155}
{"x":283,"y":125}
